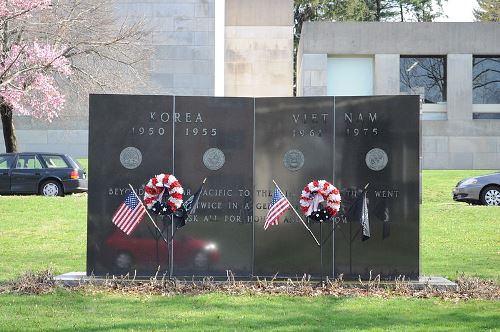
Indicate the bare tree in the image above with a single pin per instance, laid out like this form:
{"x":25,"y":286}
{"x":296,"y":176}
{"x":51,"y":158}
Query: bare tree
{"x":424,"y":75}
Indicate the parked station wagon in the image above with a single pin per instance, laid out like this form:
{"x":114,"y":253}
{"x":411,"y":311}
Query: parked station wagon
{"x":48,"y":174}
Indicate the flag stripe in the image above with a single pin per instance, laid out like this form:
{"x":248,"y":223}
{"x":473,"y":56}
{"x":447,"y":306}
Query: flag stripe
{"x":279,"y":204}
{"x":125,"y":217}
{"x":277,"y":214}
{"x":135,"y":214}
{"x":278,"y":209}
{"x":128,"y":222}
{"x":135,"y":225}
{"x":122,"y":212}
{"x":129,"y":214}
{"x":275,"y":220}
{"x":119,"y":212}
{"x":133,"y":218}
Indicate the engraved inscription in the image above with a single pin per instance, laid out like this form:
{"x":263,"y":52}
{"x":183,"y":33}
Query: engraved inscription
{"x":311,"y":133}
{"x":223,"y":204}
{"x":293,"y":160}
{"x":158,"y":125}
{"x":376,"y":159}
{"x":309,"y":125}
{"x":361,"y":124}
{"x":214,"y":159}
{"x":130,"y":157}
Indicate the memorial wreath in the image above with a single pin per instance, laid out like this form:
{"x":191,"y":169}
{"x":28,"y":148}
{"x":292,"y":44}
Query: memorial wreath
{"x":316,"y":192}
{"x":154,"y":190}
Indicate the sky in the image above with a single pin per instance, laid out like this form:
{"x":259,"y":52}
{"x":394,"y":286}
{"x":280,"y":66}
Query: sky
{"x":458,"y":11}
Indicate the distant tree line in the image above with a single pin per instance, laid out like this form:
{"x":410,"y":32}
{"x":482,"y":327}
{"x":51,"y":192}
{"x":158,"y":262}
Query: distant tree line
{"x":366,"y":10}
{"x":489,"y":10}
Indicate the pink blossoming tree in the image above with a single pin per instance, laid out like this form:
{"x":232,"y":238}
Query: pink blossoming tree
{"x":47,"y":47}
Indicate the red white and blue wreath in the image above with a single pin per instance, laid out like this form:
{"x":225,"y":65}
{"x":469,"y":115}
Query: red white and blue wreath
{"x":154,"y":190}
{"x":314,"y":194}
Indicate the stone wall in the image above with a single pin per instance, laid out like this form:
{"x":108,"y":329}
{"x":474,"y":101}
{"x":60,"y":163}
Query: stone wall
{"x":258,"y":48}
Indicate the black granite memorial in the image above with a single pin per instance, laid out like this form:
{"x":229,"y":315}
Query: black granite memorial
{"x":377,"y":143}
{"x":241,"y":145}
{"x":217,"y":144}
{"x":294,"y":140}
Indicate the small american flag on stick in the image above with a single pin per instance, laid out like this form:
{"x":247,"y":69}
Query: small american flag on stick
{"x":129,"y":214}
{"x":279,"y":204}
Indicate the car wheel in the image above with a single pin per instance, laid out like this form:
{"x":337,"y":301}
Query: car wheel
{"x":51,"y":188}
{"x":491,"y":195}
{"x":123,"y":261}
{"x":201,"y":260}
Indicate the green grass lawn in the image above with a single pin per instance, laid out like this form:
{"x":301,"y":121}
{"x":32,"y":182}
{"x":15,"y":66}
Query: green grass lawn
{"x":214,"y":312}
{"x":38,"y":232}
{"x":457,"y":237}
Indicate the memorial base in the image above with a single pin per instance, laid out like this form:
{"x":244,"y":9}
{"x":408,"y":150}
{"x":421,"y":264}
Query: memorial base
{"x":71,"y":279}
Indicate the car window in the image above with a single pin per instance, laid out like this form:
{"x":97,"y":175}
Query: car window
{"x":54,"y":161}
{"x":28,"y":162}
{"x":6,"y":161}
{"x":78,"y":163}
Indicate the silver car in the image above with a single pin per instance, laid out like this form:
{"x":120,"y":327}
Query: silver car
{"x":483,"y":189}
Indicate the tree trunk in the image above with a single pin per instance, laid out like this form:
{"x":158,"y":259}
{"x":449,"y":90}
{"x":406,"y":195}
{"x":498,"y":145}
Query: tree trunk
{"x":9,"y":132}
{"x":378,"y":15}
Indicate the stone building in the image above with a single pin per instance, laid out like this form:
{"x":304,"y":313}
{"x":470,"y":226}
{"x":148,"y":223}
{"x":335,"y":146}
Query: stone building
{"x":455,"y":67}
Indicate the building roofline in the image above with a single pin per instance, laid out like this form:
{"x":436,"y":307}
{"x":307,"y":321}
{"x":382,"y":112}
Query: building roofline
{"x":409,"y":38}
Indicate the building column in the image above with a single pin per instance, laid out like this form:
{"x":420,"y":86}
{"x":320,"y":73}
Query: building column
{"x":386,"y":74}
{"x":313,"y":76}
{"x":258,"y":59}
{"x":459,"y":86}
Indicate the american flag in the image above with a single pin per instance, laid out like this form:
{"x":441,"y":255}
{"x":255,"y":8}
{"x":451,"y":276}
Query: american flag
{"x":129,"y":214}
{"x":279,"y":204}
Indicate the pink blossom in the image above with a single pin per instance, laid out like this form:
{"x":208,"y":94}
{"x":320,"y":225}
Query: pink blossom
{"x":35,"y":55}
{"x":49,"y":55}
{"x":10,"y":8}
{"x":28,"y":83}
{"x":42,"y":99}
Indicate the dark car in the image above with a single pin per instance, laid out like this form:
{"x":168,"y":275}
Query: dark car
{"x":484,"y":189}
{"x":48,"y":174}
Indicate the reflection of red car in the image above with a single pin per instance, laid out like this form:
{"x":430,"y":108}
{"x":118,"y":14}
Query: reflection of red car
{"x":136,"y":252}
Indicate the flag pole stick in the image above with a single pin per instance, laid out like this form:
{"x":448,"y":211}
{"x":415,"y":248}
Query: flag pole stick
{"x":298,"y":215}
{"x":150,"y":218}
{"x":174,"y":231}
{"x":171,"y":248}
{"x":321,"y":250}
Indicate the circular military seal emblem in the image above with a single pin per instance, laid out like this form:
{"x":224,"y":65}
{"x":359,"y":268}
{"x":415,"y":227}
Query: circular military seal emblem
{"x":214,"y":159}
{"x":293,"y":160}
{"x":131,"y":157}
{"x":376,"y":159}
